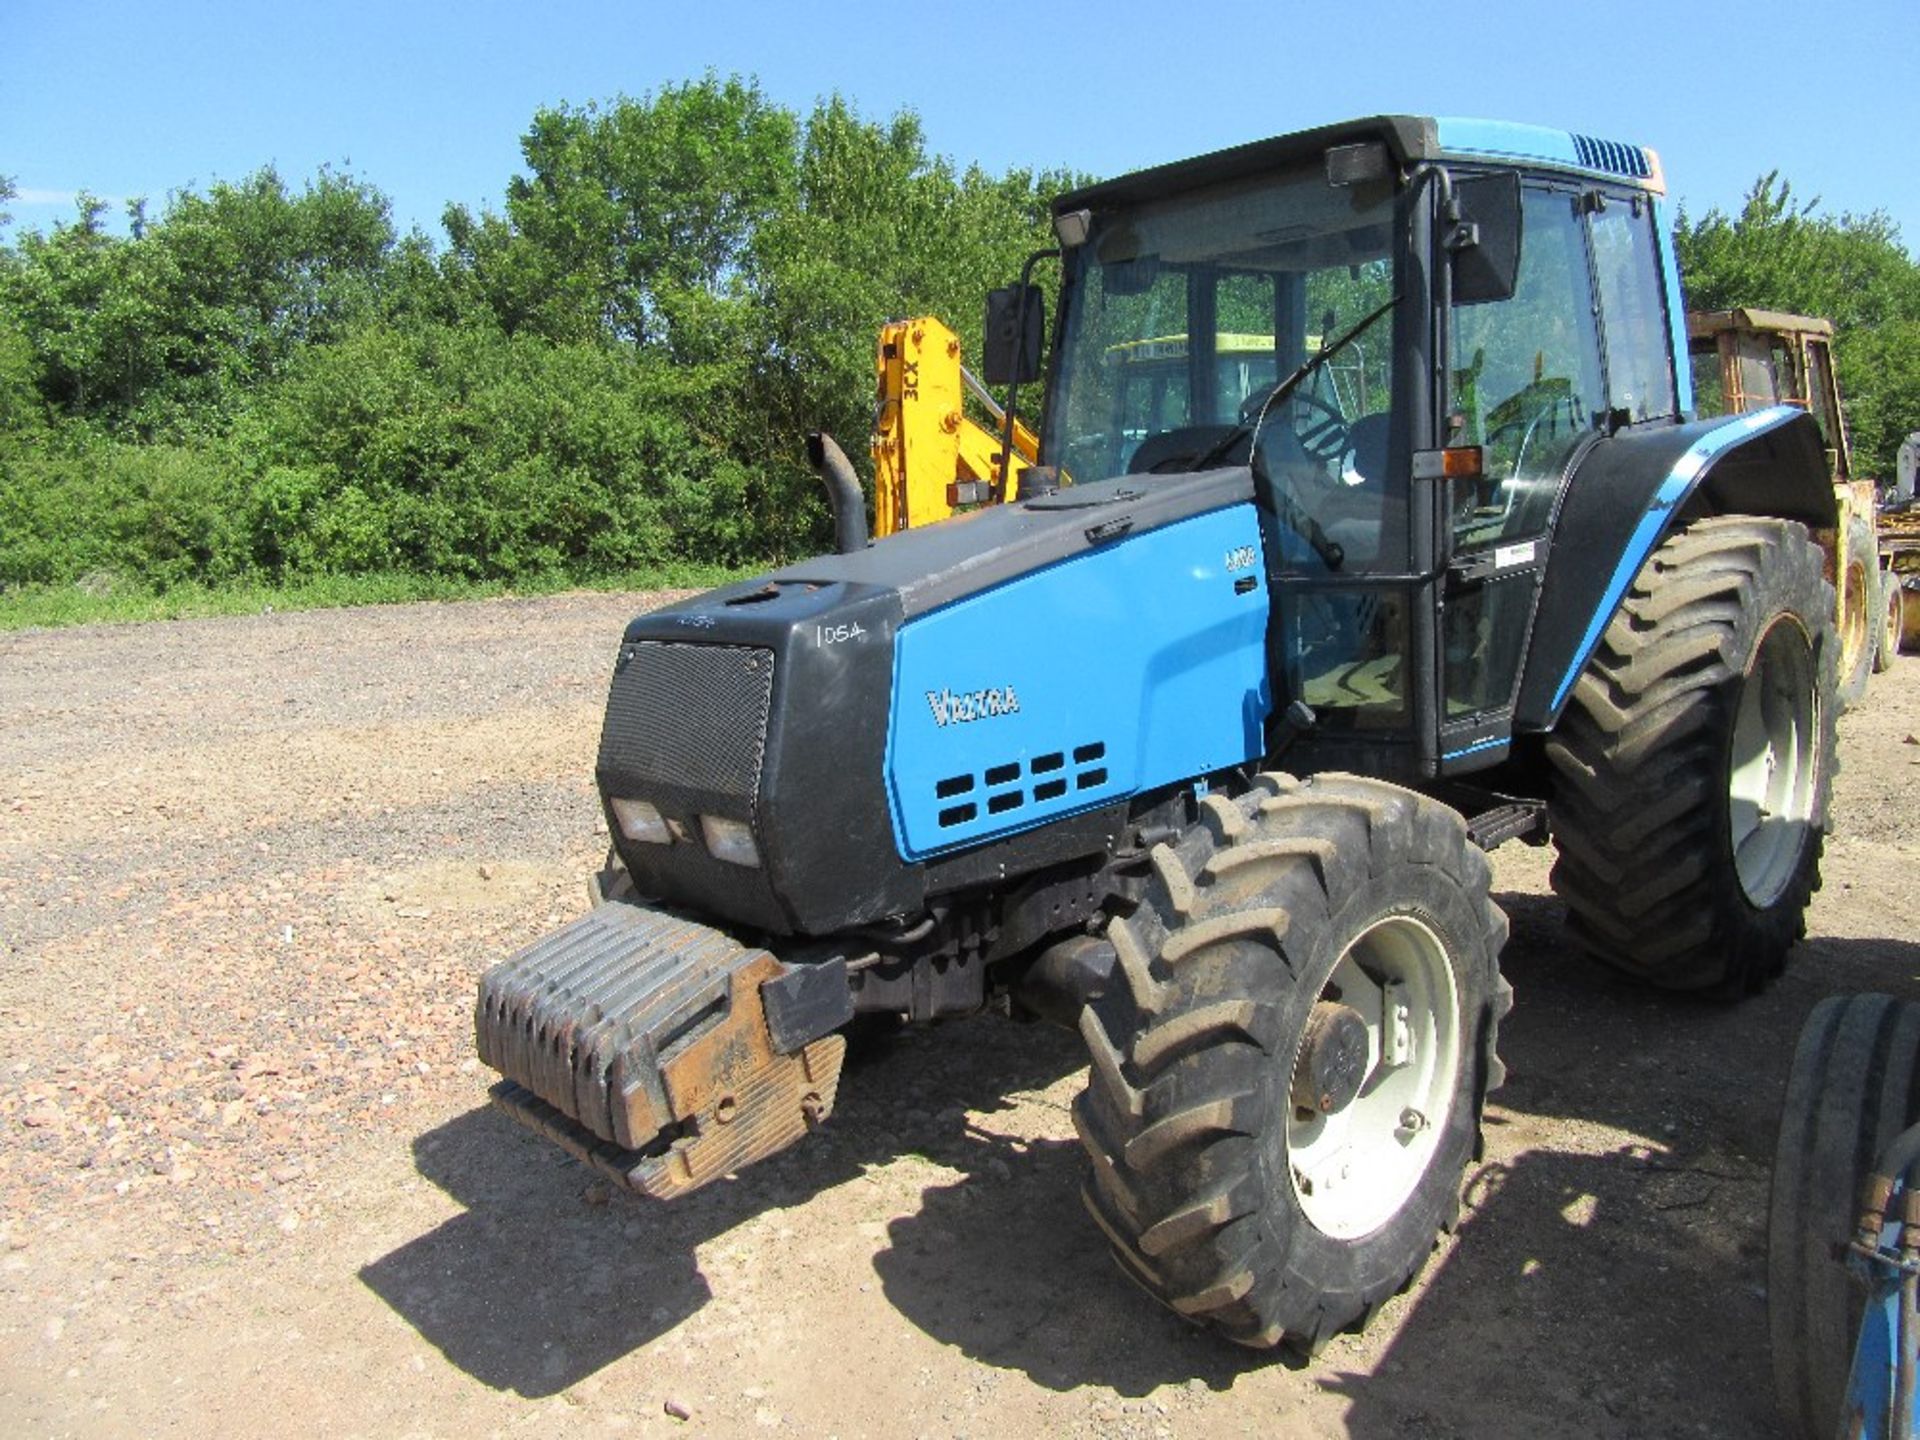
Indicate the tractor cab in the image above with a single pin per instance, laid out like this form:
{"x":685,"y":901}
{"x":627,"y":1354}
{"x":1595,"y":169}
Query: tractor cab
{"x":1745,"y":360}
{"x":1355,"y":315}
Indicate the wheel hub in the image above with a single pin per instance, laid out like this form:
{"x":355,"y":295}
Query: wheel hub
{"x":1772,"y":772}
{"x":1333,"y":1058}
{"x":1375,"y":1077}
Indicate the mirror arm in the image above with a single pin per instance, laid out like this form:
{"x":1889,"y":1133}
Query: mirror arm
{"x":1013,"y":385}
{"x":1442,"y":178}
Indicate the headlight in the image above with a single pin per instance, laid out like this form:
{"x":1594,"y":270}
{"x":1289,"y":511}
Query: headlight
{"x":640,"y":821}
{"x":730,"y":840}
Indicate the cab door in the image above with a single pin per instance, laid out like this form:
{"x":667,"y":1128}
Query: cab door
{"x":1529,"y":386}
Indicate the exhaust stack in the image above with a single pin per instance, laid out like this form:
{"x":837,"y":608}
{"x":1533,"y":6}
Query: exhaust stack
{"x":843,"y":492}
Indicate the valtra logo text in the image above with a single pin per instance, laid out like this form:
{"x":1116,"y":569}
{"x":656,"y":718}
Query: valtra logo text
{"x":951,"y":709}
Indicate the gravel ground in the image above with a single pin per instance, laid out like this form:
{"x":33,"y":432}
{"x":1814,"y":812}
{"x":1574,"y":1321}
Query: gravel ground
{"x":249,"y":871}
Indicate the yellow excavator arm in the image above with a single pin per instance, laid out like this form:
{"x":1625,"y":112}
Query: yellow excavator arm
{"x":929,"y":458}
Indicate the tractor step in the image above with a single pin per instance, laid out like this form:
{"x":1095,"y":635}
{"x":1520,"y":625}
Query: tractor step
{"x":1517,"y":820}
{"x":638,"y":1041}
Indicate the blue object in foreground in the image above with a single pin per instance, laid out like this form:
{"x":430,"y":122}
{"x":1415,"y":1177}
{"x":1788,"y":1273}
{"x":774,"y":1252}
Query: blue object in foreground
{"x":1874,"y":1392}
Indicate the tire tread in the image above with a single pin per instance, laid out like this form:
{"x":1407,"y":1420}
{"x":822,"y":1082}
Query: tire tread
{"x":1637,"y":807}
{"x":1173,"y":1112}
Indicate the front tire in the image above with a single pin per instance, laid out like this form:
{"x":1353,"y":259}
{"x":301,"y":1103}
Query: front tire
{"x":1693,"y":762}
{"x":1290,"y":1062}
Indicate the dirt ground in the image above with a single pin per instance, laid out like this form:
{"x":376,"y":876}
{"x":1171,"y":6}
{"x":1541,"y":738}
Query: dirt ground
{"x":249,"y":1183}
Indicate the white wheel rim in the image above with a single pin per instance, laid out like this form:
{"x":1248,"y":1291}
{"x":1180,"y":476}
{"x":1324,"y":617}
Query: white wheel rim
{"x":1773,"y":769}
{"x":1890,"y":618}
{"x":1353,"y":1169}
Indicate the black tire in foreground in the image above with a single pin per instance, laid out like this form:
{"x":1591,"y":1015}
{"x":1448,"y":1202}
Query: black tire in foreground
{"x":1693,"y":763}
{"x":1861,"y":613}
{"x":1289,"y":1064}
{"x":1851,"y":1090}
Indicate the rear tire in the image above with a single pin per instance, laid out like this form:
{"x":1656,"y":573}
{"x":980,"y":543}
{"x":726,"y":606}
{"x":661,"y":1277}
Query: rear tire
{"x":1693,"y":761}
{"x":1860,"y":612}
{"x":1851,"y":1090}
{"x":1329,"y":942}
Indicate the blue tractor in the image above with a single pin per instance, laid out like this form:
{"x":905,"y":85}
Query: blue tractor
{"x":1196,"y":742}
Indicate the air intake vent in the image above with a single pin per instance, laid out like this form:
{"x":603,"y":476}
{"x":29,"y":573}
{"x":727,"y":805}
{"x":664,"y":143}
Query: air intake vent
{"x":1613,"y":157}
{"x":1054,"y":777}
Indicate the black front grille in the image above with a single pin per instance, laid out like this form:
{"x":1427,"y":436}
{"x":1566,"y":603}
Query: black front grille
{"x":686,"y":731}
{"x":687,"y":725}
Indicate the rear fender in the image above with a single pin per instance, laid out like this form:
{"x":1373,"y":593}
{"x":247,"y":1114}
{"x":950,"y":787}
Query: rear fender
{"x":1628,"y":493}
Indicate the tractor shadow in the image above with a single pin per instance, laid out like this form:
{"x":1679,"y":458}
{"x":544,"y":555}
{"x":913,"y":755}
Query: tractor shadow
{"x":1006,"y":1266}
{"x":1610,"y":1274}
{"x":1632,"y":1253}
{"x":548,"y":1275}
{"x":1586,"y":1044}
{"x":1609,"y":1295}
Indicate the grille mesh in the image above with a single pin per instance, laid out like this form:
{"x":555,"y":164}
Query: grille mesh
{"x":689,"y":720}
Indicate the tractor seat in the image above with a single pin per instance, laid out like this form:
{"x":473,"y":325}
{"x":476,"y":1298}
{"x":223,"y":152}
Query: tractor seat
{"x":1353,"y":518}
{"x":1367,"y":449}
{"x":1171,"y":450}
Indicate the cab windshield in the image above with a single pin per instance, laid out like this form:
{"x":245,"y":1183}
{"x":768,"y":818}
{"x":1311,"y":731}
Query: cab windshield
{"x":1182,"y":315}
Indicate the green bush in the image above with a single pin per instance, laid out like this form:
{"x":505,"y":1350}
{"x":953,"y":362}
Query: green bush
{"x":467,"y":453}
{"x":158,"y":515}
{"x":265,"y":385}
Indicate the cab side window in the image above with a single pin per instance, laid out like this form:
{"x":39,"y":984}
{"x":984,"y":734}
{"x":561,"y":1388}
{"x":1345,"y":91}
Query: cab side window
{"x":1527,"y":380}
{"x":1582,"y":346}
{"x":1821,"y":395}
{"x":1633,"y":306}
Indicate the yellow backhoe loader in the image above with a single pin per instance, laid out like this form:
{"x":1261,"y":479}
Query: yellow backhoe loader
{"x":1746,"y":360}
{"x":929,"y":457}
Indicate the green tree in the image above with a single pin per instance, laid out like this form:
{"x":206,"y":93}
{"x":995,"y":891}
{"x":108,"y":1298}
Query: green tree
{"x":878,"y":230}
{"x":617,"y":369}
{"x":164,"y":331}
{"x":632,"y":209}
{"x":459,"y":450}
{"x":708,"y":226}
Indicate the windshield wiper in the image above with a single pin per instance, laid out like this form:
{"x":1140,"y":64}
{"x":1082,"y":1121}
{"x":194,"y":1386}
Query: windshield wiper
{"x":1286,"y":387}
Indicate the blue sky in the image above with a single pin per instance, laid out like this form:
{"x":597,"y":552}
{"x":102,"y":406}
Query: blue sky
{"x":427,"y":101}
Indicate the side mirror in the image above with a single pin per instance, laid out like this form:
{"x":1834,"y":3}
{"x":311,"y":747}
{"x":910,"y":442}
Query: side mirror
{"x":1486,"y":244}
{"x":1015,"y":334}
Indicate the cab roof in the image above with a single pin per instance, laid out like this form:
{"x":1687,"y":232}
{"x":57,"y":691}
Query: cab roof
{"x":1409,"y":139}
{"x":1702,"y":324}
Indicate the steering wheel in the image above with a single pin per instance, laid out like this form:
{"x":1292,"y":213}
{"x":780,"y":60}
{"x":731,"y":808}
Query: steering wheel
{"x":1320,"y":428}
{"x":1533,"y":411}
{"x":1543,"y":426}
